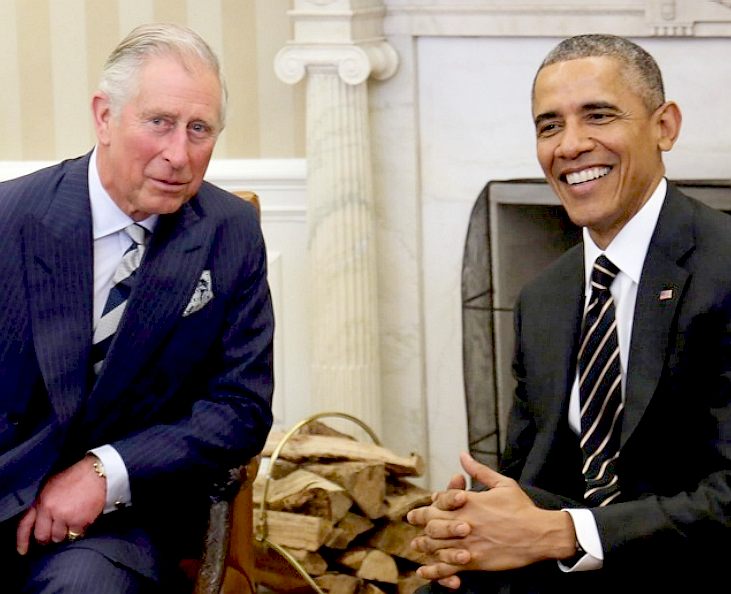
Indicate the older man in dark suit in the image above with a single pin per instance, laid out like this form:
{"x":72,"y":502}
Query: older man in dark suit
{"x":617,"y":471}
{"x":135,"y":333}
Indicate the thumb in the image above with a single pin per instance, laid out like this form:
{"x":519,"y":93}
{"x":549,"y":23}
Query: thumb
{"x":484,"y":474}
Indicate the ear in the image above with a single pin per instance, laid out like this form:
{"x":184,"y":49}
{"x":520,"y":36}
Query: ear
{"x":102,"y":115}
{"x":668,"y":120}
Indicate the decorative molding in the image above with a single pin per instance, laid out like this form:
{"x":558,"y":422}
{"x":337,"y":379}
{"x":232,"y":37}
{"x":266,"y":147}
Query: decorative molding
{"x":13,"y":169}
{"x":638,"y":18}
{"x":239,"y":174}
{"x":355,"y":63}
{"x":283,"y":182}
{"x":344,"y":34}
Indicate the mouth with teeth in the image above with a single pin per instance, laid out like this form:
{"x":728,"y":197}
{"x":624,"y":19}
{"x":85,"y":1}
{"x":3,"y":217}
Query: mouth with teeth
{"x":585,"y":175}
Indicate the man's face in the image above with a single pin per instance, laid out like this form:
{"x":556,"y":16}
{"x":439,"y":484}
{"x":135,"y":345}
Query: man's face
{"x":597,"y":143}
{"x":153,"y":155}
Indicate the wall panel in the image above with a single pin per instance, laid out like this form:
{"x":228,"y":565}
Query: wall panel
{"x":53,"y":51}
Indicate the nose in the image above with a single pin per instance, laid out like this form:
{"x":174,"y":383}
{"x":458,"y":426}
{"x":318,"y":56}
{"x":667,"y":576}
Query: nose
{"x":176,"y":148}
{"x":574,"y":141}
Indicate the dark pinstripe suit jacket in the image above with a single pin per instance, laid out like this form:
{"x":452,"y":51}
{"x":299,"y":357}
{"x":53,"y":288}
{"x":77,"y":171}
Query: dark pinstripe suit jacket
{"x":674,"y":517}
{"x":182,"y":398}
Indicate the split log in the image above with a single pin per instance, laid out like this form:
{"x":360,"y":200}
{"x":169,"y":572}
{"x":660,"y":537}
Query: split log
{"x":370,"y":588}
{"x":403,"y":496}
{"x":273,"y":571}
{"x":338,"y":583}
{"x":320,"y":428}
{"x":307,"y":493}
{"x":395,"y":539}
{"x":370,"y":564}
{"x":313,"y":563}
{"x":347,"y":529}
{"x":282,"y":468}
{"x":301,"y":448}
{"x":365,"y":482}
{"x":296,"y":531}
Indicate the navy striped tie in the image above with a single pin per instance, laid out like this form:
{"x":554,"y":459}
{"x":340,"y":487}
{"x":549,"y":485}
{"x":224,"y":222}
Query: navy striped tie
{"x":600,"y":389}
{"x":122,"y":283}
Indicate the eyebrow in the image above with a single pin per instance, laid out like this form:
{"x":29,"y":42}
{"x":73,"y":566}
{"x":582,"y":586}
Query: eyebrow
{"x":550,"y":115}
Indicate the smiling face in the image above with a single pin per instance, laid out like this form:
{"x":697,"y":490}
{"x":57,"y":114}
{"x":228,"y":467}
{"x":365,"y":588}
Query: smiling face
{"x":598,"y":144}
{"x":152,"y":156}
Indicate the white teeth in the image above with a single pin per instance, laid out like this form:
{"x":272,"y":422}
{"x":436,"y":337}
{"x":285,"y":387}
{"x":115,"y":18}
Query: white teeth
{"x":586,"y":175}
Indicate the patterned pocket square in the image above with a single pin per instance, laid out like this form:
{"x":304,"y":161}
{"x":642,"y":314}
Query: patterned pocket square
{"x":203,"y":294}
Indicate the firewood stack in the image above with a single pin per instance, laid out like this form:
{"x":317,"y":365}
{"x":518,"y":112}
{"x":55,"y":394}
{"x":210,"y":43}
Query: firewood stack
{"x":338,"y":506}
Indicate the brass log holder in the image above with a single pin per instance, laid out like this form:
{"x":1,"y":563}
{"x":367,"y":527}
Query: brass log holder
{"x":261,"y":528}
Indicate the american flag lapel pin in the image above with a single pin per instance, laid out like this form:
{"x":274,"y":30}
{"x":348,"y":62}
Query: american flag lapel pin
{"x":666,"y":294}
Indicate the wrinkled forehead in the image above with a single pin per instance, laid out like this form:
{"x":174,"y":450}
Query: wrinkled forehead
{"x":580,"y":80}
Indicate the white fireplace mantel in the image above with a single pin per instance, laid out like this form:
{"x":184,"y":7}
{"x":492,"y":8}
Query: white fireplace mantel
{"x":456,"y":115}
{"x":631,"y":18}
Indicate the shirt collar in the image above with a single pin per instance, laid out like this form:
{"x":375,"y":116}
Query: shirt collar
{"x":106,"y":217}
{"x":629,"y":247}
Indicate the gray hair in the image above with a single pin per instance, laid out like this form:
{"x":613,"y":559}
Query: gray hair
{"x":639,"y":67}
{"x":120,"y":75}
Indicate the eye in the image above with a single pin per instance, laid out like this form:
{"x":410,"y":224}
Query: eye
{"x":160,"y":123}
{"x":599,"y":117}
{"x":547,"y":129}
{"x":200,"y":130}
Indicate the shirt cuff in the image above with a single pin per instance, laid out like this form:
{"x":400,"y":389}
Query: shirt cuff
{"x":587,"y":535}
{"x":118,"y":491}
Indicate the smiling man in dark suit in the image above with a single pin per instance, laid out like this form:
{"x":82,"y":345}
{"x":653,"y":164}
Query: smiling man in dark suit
{"x":617,"y":470}
{"x":135,"y":333}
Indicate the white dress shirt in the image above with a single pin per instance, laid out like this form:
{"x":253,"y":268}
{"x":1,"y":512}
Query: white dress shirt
{"x":110,"y":243}
{"x":627,"y":251}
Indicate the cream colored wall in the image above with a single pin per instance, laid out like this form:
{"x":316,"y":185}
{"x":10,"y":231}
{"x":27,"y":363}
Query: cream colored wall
{"x":53,"y":50}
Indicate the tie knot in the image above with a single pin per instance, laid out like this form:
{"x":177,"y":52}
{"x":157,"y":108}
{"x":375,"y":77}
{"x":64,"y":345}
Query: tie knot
{"x":137,"y":233}
{"x":603,"y":274}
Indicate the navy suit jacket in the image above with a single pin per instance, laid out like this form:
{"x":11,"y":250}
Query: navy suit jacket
{"x":674,"y":517}
{"x":181,"y":398}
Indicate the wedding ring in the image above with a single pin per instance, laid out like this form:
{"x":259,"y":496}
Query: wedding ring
{"x":72,"y":536}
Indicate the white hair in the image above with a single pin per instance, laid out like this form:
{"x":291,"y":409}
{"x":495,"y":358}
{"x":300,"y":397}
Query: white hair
{"x":120,"y":75}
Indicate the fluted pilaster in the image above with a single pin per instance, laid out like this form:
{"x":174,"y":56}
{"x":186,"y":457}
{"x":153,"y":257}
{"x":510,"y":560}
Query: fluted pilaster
{"x":338,"y":45}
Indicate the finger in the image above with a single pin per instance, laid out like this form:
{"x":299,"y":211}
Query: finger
{"x":25,"y":527}
{"x":454,"y":556}
{"x":418,"y":516}
{"x":452,"y":582}
{"x":484,"y":474}
{"x":450,"y":500}
{"x":438,"y":528}
{"x":437,"y":571}
{"x":458,"y":481}
{"x":59,"y":530}
{"x":43,"y":526}
{"x":431,"y":546}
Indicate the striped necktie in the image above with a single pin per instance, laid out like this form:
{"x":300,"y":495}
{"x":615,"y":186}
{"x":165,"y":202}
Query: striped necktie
{"x":122,"y":283}
{"x":600,"y":389}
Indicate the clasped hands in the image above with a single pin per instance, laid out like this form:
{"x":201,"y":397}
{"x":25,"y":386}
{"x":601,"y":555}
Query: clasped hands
{"x":492,"y":530}
{"x":67,"y":505}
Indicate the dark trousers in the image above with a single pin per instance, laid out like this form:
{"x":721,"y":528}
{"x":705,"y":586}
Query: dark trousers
{"x":100,"y":563}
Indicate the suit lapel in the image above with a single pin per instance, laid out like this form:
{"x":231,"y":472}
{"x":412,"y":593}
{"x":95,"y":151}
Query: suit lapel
{"x":165,"y":280}
{"x":563,"y":310}
{"x":58,"y":247}
{"x":658,"y":296}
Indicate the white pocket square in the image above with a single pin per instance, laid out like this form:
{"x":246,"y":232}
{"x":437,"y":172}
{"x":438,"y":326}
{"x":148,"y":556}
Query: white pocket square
{"x":203,"y":294}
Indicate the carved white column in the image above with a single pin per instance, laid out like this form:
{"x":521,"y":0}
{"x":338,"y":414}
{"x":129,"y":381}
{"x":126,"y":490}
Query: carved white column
{"x":338,"y":44}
